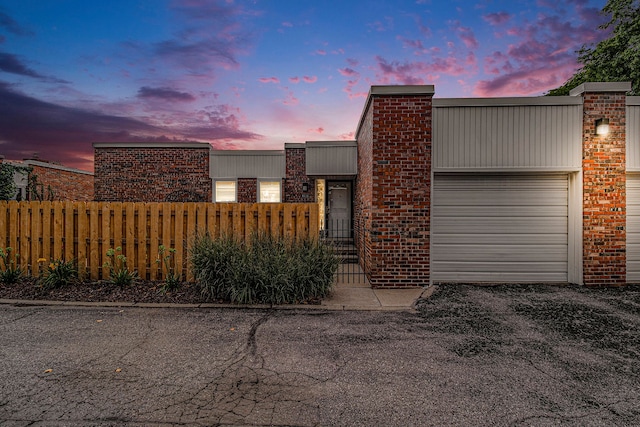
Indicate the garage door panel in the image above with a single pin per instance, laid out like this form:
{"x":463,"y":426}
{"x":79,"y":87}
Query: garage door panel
{"x":500,"y":239}
{"x":501,"y":198}
{"x":535,"y":211}
{"x":504,"y":253}
{"x":500,"y":225}
{"x":499,"y":228}
{"x":510,"y":277}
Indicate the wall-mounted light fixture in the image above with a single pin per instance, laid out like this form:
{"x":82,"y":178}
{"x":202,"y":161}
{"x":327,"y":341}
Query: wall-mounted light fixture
{"x":602,"y":127}
{"x":305,"y":187}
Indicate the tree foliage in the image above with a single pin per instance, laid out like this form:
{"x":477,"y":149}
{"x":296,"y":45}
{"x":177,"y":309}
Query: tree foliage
{"x":7,"y":185}
{"x":616,"y":58}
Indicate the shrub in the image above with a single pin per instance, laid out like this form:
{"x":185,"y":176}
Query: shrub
{"x":265,"y":269}
{"x":172,"y":279}
{"x":119,"y":274}
{"x":59,"y":273}
{"x":10,"y":272}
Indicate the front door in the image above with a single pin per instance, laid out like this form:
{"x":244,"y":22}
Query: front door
{"x":339,"y":209}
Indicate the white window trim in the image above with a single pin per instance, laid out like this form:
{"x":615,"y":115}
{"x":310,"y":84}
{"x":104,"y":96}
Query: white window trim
{"x":278,"y":180}
{"x":234,"y":180}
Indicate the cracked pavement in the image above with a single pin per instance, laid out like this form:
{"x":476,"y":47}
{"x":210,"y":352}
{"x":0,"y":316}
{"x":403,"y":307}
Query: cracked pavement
{"x":520,"y":355}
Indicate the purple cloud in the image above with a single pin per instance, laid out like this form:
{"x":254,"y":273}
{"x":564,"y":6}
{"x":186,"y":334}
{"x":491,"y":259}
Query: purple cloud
{"x":269,"y":80}
{"x":497,"y":18}
{"x":10,"y":63}
{"x":9,"y":24}
{"x":310,"y":79}
{"x":542,"y":55}
{"x":164,"y":93}
{"x":64,"y":134}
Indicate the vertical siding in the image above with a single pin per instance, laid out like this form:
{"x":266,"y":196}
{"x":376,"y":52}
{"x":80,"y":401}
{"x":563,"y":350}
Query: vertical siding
{"x":332,"y":159}
{"x":509,"y":136}
{"x":633,"y":133}
{"x":248,"y":164}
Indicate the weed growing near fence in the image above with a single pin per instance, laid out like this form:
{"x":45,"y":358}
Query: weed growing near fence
{"x":167,"y":261}
{"x":264,"y":269}
{"x":119,"y":274}
{"x":10,"y":272}
{"x":59,"y":273}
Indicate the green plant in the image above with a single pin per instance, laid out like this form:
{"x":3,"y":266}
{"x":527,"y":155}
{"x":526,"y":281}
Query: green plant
{"x":59,"y":273}
{"x":119,"y":273}
{"x":10,"y":272}
{"x":265,"y":269}
{"x":167,"y":261}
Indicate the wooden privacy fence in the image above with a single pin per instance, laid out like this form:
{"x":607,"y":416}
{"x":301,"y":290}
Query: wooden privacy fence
{"x":84,"y":231}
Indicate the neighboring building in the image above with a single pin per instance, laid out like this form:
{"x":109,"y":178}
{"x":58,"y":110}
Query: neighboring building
{"x":152,"y":172}
{"x":41,"y":180}
{"x":442,"y":190}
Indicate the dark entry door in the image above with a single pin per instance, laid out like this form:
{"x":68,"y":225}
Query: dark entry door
{"x":339,"y":209}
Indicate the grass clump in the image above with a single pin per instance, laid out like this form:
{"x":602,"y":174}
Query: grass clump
{"x":10,"y":272}
{"x":116,"y":265}
{"x":167,"y":261}
{"x":264,"y":269}
{"x":59,"y":273}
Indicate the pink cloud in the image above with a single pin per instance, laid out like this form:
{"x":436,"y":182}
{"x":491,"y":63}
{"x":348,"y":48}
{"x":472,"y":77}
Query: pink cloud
{"x":347,"y":72}
{"x":497,"y":18}
{"x":294,"y":80}
{"x":541,"y":55}
{"x":352,"y":62}
{"x":468,"y":37}
{"x":269,"y":80}
{"x":287,"y":24}
{"x":316,"y":130}
{"x":310,"y":79}
{"x":321,"y":52}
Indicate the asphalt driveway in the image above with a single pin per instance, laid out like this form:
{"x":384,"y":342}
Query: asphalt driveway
{"x":519,"y":355}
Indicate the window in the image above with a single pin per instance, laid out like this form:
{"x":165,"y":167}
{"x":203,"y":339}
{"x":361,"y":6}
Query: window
{"x":269,"y":191}
{"x":225,"y":191}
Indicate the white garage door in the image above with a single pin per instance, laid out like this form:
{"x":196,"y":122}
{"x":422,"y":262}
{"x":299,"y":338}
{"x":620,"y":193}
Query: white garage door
{"x":500,"y":228}
{"x":633,"y":228}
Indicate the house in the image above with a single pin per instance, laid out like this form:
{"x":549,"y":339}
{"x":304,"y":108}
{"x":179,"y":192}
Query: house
{"x":439,"y":190}
{"x":36,"y":179}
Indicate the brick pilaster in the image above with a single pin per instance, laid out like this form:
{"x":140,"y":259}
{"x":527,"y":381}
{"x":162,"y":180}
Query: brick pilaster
{"x":604,"y":184}
{"x":393,"y":193}
{"x":296,"y":176}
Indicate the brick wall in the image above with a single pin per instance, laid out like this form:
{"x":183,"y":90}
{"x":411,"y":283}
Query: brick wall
{"x":247,"y":190}
{"x":152,"y":173}
{"x":296,"y":177}
{"x":59,"y":183}
{"x":394,"y":140}
{"x":604,"y":190}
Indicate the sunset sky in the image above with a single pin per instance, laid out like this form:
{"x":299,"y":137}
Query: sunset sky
{"x":257,"y":74}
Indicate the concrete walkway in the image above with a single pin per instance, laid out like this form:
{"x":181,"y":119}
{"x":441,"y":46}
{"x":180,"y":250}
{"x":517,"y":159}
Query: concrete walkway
{"x":360,"y":296}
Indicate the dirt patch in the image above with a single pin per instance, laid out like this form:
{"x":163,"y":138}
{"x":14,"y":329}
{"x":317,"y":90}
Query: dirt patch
{"x":102,"y":291}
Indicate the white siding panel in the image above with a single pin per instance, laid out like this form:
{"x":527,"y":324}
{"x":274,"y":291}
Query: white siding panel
{"x":522,"y":136}
{"x":633,"y":136}
{"x":325,"y":160}
{"x":500,"y":228}
{"x":633,"y":228}
{"x":247,"y":164}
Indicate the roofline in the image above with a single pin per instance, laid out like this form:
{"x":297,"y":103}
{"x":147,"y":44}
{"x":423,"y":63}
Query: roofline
{"x":601,"y":87}
{"x":151,"y":145}
{"x":506,"y":102}
{"x":633,"y":100}
{"x":344,"y":143}
{"x":247,"y":152}
{"x":30,"y":162}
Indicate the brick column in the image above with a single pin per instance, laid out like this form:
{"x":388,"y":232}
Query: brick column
{"x":296,"y":176}
{"x":393,"y":190}
{"x":604,"y":184}
{"x":247,"y":190}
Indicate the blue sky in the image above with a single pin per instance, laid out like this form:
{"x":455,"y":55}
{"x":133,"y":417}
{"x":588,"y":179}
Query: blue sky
{"x":257,"y":74}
